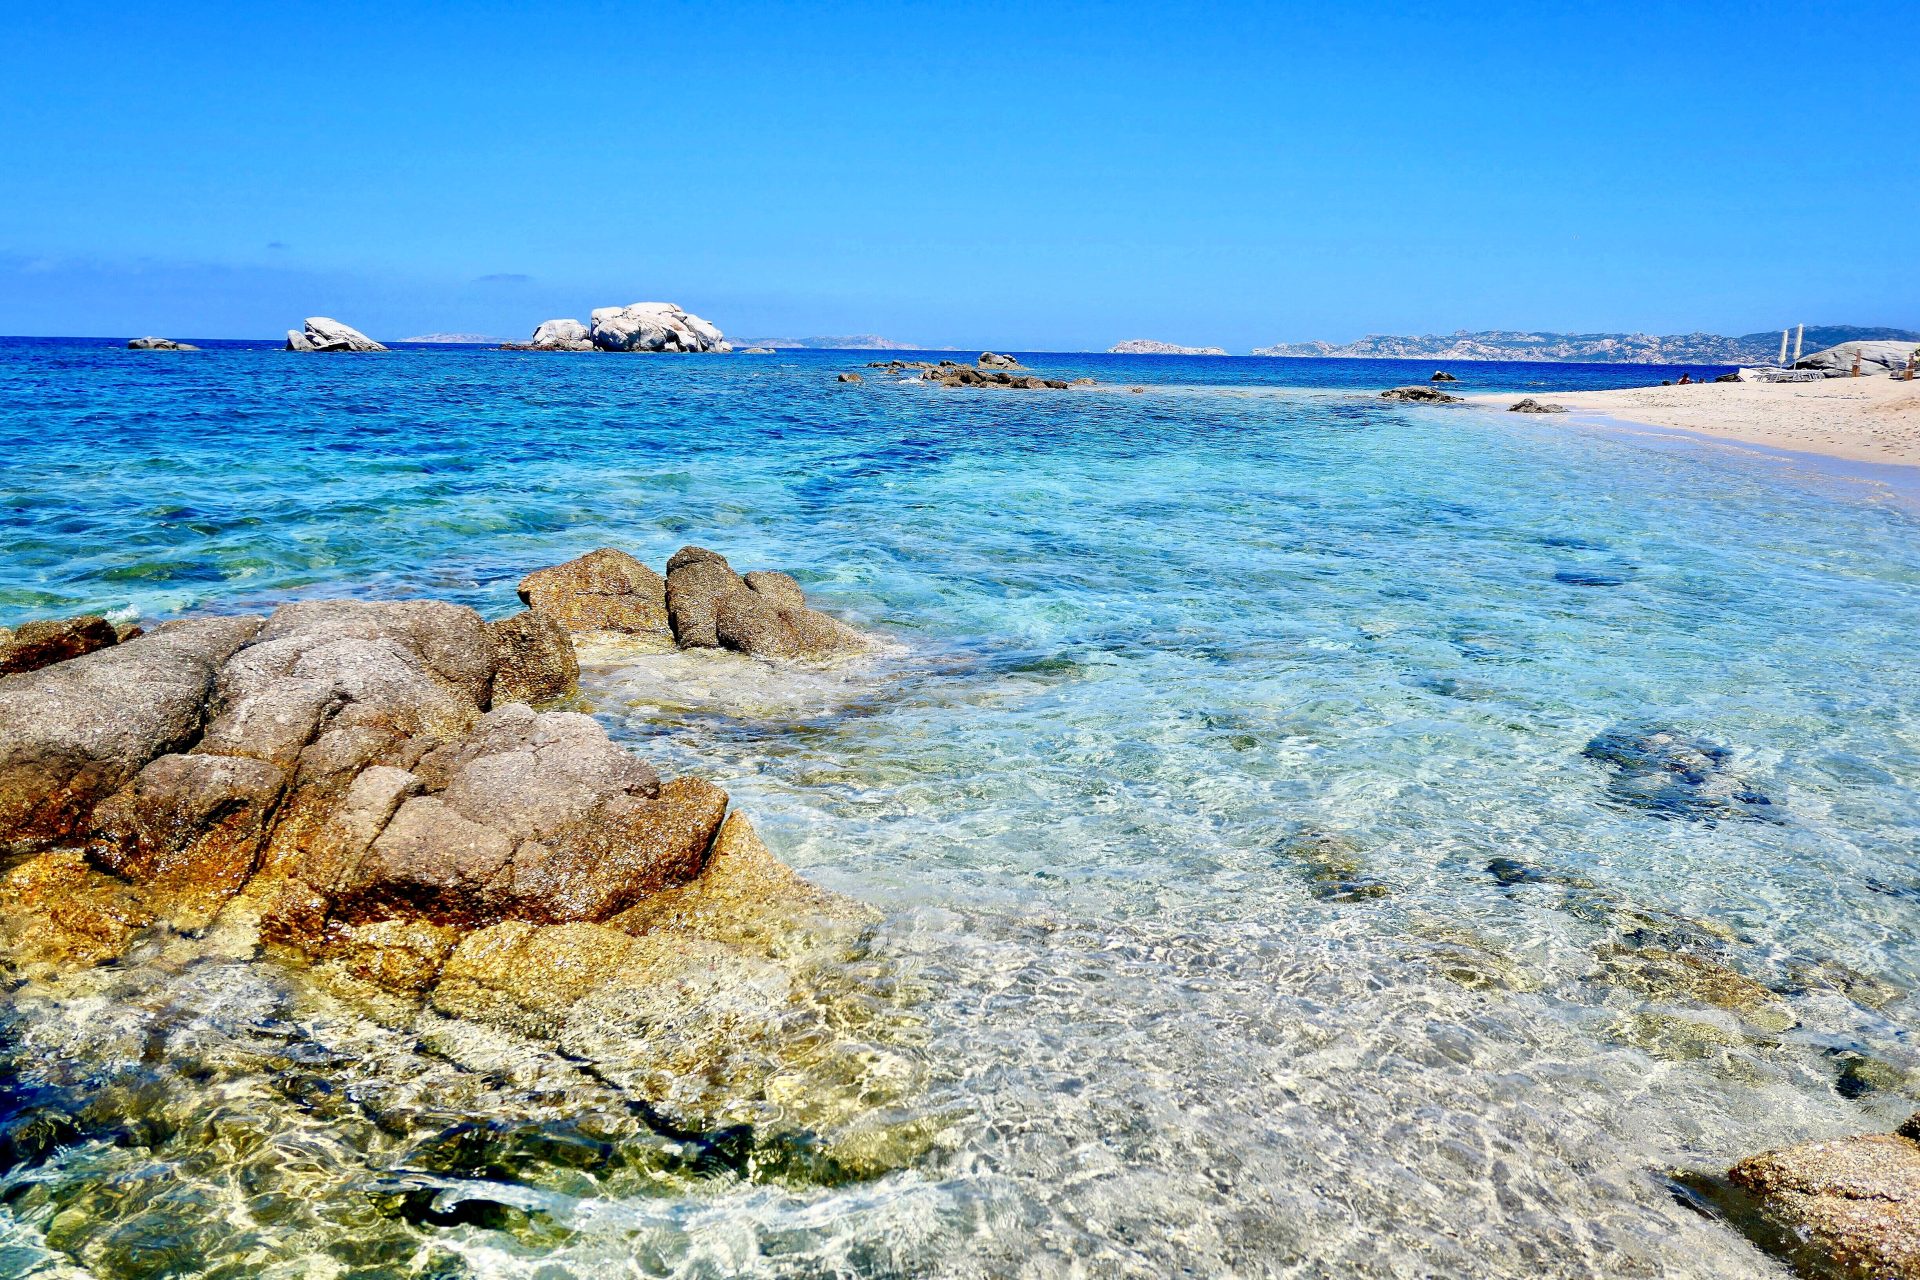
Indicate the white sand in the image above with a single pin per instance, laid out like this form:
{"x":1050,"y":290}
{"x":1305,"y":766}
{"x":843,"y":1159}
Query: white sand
{"x":1874,"y":419}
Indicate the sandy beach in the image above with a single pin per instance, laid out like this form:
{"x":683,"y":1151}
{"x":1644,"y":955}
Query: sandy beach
{"x":1858,"y":419}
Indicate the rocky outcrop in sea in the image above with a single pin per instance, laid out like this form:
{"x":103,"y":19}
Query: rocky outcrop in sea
{"x":159,"y":344}
{"x":322,"y":334}
{"x":990,"y":372}
{"x":642,"y":326}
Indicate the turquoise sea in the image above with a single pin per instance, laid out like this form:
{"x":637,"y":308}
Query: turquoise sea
{"x":1236,"y":788}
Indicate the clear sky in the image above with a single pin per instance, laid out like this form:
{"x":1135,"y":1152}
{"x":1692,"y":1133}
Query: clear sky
{"x":1053,"y":176}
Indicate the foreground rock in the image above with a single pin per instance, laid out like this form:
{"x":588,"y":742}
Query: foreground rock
{"x":1420,"y":395}
{"x":44,"y":642}
{"x":159,"y":344}
{"x":322,"y":334}
{"x":653,"y":326}
{"x":700,"y":604}
{"x":353,"y":790}
{"x":1855,"y":1201}
{"x":1530,"y":405}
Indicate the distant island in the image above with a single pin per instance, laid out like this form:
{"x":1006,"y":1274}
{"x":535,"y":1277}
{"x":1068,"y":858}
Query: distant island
{"x":1586,"y":348}
{"x":847,"y":342}
{"x":1148,"y":347}
{"x":478,"y":338}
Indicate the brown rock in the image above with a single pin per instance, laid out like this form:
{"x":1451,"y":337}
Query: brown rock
{"x":76,"y":732}
{"x":188,"y":829}
{"x":603,"y":590}
{"x":1857,"y":1200}
{"x":779,"y":589}
{"x":536,"y":659}
{"x":535,"y":816}
{"x":697,"y":580}
{"x":1530,"y":405}
{"x":33,"y":645}
{"x":849,"y":377}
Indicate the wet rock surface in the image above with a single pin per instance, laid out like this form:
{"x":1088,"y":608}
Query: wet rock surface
{"x":42,"y":643}
{"x":1420,"y":395}
{"x":1853,"y":1203}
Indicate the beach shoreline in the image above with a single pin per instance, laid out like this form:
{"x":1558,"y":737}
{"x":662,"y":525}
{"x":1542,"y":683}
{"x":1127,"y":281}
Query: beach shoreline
{"x":1855,"y":420}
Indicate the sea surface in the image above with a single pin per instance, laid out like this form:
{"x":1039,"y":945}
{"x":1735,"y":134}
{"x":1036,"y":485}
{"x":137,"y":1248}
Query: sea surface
{"x":1256,"y":788}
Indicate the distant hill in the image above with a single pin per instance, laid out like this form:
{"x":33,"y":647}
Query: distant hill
{"x":1149,"y":347}
{"x":848,"y":342}
{"x":1593,"y":348}
{"x":455,"y":337}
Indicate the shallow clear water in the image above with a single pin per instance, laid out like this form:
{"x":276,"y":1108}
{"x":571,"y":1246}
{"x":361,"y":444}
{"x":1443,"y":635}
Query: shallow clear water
{"x":1156,"y":655}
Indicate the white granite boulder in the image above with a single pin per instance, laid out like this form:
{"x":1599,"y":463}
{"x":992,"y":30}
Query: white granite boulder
{"x":653,"y":326}
{"x":1875,"y":358}
{"x":561,"y":335}
{"x":322,"y":334}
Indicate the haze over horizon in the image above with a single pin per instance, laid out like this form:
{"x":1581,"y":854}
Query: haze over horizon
{"x":1229,"y":176}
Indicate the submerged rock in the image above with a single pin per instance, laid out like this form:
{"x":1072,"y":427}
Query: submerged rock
{"x":1855,"y":1201}
{"x":1333,"y":866}
{"x":322,"y":334}
{"x":1676,"y":775}
{"x":1420,"y":395}
{"x":653,"y":326}
{"x":42,"y":643}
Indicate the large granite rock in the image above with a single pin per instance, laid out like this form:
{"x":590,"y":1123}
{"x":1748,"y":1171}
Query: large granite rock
{"x":43,"y":642}
{"x":560,"y":335}
{"x":189,"y":828}
{"x":322,"y":334}
{"x":159,"y":344}
{"x":536,"y":660}
{"x":994,"y":360}
{"x":74,"y":733}
{"x":603,"y":590}
{"x":653,"y":326}
{"x":1420,"y":395}
{"x":763,"y":614}
{"x":1855,"y":1201}
{"x":1874,"y":358}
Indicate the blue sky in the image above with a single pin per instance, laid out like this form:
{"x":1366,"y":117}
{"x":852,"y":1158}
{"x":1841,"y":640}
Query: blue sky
{"x":1034,"y":177}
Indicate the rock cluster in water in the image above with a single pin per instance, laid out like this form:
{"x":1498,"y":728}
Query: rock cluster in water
{"x":322,"y":334}
{"x":1420,"y":395}
{"x":991,"y":371}
{"x":159,"y":344}
{"x":642,"y":326}
{"x":366,"y":789}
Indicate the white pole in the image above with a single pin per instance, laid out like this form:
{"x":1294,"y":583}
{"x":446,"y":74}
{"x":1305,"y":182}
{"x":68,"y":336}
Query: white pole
{"x":1783,"y":349}
{"x":1798,"y":335}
